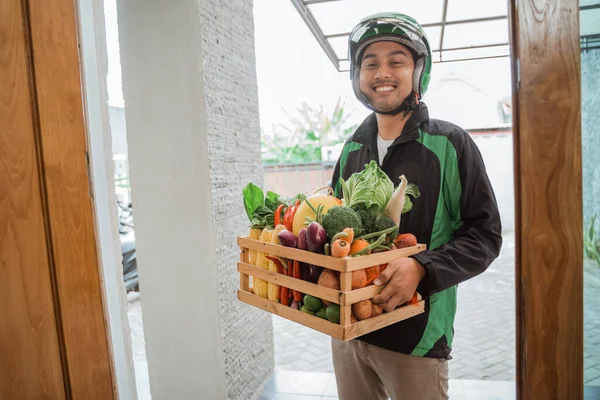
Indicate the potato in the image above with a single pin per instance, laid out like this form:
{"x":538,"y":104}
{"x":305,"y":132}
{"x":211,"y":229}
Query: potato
{"x":359,"y":279}
{"x":329,"y":279}
{"x":353,"y":319}
{"x":362,"y":309}
{"x":377,"y":310}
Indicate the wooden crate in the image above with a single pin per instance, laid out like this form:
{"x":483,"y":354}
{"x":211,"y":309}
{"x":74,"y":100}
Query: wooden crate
{"x":345,"y":297}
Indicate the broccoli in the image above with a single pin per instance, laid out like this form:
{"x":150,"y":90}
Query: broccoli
{"x":384,"y":223}
{"x":339,"y":218}
{"x":367,"y":215}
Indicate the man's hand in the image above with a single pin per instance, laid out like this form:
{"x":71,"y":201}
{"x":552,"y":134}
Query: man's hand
{"x":402,"y":277}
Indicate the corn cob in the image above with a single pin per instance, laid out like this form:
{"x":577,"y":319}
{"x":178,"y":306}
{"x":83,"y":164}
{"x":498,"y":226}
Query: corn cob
{"x":254,"y":235}
{"x":272,"y":288}
{"x":260,"y":286}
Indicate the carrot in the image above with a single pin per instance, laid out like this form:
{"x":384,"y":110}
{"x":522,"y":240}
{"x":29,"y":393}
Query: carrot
{"x":296,"y":274}
{"x":372,"y":273}
{"x":340,"y":248}
{"x":358,"y":245}
{"x":350,"y":236}
{"x":414,"y":299}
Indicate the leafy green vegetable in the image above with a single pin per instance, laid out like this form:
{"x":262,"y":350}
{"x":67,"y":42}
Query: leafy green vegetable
{"x":262,"y":218}
{"x":413,"y":191}
{"x":370,"y":186}
{"x":253,"y":199}
{"x":272,"y":201}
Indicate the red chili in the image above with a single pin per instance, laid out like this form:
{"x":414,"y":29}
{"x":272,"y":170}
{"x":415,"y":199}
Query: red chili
{"x":278,"y":264}
{"x":288,"y":218}
{"x":277,"y":217}
{"x":296,"y":274}
{"x":283,"y":294}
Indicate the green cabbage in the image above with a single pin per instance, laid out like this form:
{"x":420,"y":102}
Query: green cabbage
{"x":370,"y":186}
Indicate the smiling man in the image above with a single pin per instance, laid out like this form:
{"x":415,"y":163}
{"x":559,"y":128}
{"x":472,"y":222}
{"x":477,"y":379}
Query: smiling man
{"x":456,"y":214}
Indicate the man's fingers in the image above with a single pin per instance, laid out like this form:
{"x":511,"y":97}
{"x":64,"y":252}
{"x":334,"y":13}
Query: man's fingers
{"x":384,"y":296}
{"x":392,"y":303}
{"x":385,"y":276}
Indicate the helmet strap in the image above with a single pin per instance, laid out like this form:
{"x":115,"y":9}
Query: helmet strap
{"x":409,"y":104}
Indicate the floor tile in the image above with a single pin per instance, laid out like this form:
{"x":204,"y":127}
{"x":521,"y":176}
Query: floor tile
{"x":297,"y":382}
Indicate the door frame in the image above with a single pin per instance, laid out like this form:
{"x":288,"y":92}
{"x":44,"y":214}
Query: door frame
{"x":545,"y":61}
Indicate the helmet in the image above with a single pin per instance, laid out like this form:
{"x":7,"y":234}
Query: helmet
{"x":393,"y":27}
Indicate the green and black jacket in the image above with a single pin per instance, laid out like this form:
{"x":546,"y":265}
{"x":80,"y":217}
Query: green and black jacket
{"x":456,"y":216}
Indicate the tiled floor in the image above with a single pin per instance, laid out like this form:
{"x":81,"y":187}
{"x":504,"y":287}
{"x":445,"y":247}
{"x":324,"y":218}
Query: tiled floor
{"x":296,"y":385}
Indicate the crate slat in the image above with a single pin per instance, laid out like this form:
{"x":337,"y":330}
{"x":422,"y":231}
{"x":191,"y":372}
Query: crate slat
{"x":345,"y":309}
{"x":361,"y":294}
{"x":371,"y":324}
{"x":300,"y":317}
{"x":292,"y":283}
{"x":354,"y":263}
{"x":337,"y":264}
{"x":244,"y":278}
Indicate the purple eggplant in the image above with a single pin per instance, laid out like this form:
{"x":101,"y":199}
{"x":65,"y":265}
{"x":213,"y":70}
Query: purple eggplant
{"x":304,"y":271}
{"x":295,"y":305}
{"x":314,"y":271}
{"x":302,"y":244}
{"x":316,"y":237}
{"x":287,"y":239}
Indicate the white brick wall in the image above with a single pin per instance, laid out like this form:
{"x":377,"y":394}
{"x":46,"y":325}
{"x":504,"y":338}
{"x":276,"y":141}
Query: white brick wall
{"x":234,"y":154}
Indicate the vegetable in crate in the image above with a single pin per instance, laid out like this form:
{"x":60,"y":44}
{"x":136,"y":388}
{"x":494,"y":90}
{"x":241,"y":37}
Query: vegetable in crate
{"x":384,"y":223}
{"x":316,"y":237}
{"x":340,"y":217}
{"x":308,"y":207}
{"x":369,"y":186}
{"x":368,"y":215}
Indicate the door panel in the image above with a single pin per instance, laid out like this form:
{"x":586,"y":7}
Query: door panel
{"x":29,"y":344}
{"x":53,"y":335}
{"x":70,"y":207}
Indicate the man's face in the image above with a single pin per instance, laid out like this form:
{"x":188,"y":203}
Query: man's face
{"x":386,"y":72}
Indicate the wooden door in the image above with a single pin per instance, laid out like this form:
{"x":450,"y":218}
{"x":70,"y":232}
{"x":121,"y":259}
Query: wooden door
{"x":548,"y":189}
{"x":53,"y":335}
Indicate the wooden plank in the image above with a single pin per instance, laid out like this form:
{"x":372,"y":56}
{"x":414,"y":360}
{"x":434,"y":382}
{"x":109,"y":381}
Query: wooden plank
{"x":345,"y":308}
{"x":357,"y":295}
{"x":354,"y":263}
{"x":244,"y":278}
{"x":371,"y":324}
{"x":336,"y":264}
{"x":30,"y":354}
{"x":54,"y":35}
{"x":548,"y":191}
{"x":292,"y":283}
{"x":311,"y":321}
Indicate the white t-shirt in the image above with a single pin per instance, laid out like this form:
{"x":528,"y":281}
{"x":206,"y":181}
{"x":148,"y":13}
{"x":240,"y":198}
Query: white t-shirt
{"x":382,"y":147}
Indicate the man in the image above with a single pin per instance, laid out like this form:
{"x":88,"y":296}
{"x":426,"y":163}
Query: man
{"x":456,"y":214}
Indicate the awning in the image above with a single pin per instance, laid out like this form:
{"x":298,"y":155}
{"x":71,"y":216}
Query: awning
{"x":458,"y":30}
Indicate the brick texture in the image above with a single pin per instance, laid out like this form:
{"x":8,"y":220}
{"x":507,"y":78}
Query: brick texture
{"x":234,"y":154}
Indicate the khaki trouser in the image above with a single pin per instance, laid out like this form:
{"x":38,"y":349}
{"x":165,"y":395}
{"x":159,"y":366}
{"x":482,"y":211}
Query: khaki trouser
{"x":367,"y":372}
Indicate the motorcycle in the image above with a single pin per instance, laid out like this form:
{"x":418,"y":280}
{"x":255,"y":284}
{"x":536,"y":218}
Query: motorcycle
{"x":127,"y":238}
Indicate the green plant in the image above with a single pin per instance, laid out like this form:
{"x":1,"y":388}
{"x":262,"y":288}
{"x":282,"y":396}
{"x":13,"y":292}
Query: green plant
{"x":591,"y":244}
{"x":302,"y":138}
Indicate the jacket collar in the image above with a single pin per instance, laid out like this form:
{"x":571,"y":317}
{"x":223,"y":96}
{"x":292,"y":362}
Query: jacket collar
{"x":366,"y":133}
